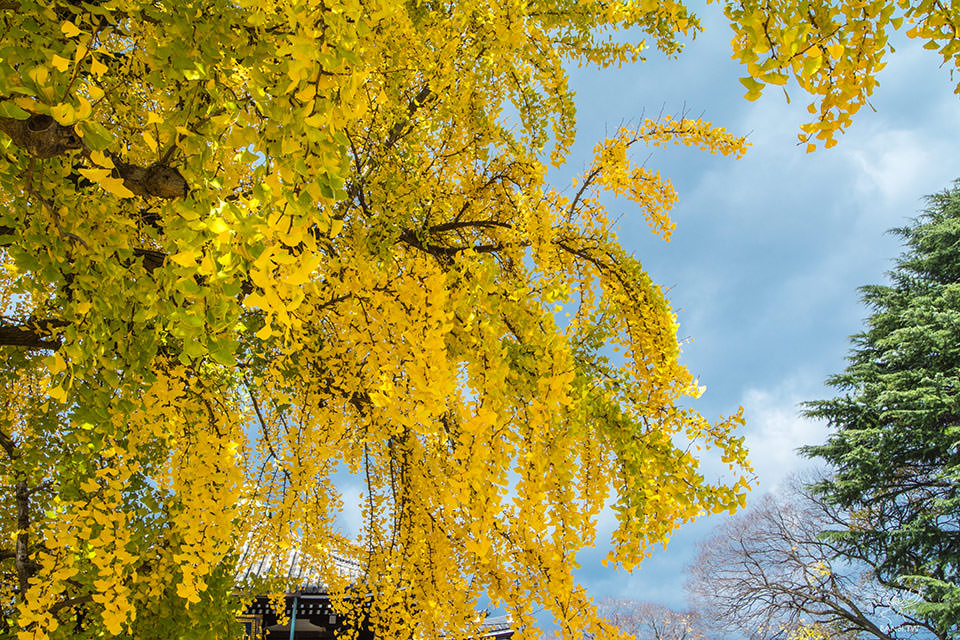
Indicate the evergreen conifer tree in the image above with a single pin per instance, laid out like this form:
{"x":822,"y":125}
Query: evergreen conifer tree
{"x":895,"y":448}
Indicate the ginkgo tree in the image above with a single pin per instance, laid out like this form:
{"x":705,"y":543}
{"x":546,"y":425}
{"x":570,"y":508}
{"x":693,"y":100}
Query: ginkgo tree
{"x":248,"y":246}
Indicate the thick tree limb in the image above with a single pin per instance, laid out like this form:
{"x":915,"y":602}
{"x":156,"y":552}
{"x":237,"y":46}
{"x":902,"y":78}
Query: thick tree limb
{"x":469,"y":224}
{"x":8,"y":445}
{"x":22,"y":557}
{"x":410,"y":238}
{"x":43,"y":137}
{"x":158,"y":180}
{"x":35,"y":334}
{"x":152,"y":259}
{"x":71,"y":602}
{"x":31,"y":337}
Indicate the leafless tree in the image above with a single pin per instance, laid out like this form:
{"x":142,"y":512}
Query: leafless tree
{"x":772,"y":570}
{"x":651,"y":621}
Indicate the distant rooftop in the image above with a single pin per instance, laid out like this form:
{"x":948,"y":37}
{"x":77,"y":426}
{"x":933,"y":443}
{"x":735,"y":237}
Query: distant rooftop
{"x":296,"y":568}
{"x":304,"y":577}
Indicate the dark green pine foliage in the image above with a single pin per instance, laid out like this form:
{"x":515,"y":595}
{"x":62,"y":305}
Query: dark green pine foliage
{"x":895,"y":445}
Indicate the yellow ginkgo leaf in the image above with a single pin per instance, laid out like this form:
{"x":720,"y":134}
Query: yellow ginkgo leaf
{"x":64,"y":113}
{"x":116,"y":187}
{"x":96,"y":175}
{"x":101,"y":159}
{"x":69,"y":29}
{"x":56,"y":363}
{"x":84,"y":108}
{"x":149,"y":139}
{"x":97,"y":68}
{"x":58,"y":393}
{"x":60,"y":64}
{"x":111,"y":184}
{"x":186,"y":258}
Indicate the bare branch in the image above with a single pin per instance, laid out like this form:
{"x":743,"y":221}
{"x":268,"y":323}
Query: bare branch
{"x":772,"y":568}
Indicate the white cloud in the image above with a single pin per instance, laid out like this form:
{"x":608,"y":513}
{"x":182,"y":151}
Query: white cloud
{"x":775,"y":429}
{"x":890,"y":164}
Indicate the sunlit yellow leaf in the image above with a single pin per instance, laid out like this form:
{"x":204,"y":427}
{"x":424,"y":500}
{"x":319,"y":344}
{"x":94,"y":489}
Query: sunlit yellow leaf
{"x":97,"y":68}
{"x":218,"y":225}
{"x":186,"y":258}
{"x":58,"y":393}
{"x":64,"y":113}
{"x":56,"y":364}
{"x":116,"y":187}
{"x":101,"y":159}
{"x":151,"y":142}
{"x":61,"y":64}
{"x":84,"y":109}
{"x":105,"y":179}
{"x":69,"y":29}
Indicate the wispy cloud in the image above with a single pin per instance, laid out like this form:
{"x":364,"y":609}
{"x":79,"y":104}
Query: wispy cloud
{"x":776,"y":428}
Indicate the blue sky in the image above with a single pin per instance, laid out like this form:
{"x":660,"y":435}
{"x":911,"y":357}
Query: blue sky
{"x":769,"y":250}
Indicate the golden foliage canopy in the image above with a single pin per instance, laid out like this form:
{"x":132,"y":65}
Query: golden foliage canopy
{"x":251,"y":245}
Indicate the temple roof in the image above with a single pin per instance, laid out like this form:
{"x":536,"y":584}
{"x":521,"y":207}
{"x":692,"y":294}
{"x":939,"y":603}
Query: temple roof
{"x":303,"y":576}
{"x":302,"y":573}
{"x":495,"y":627}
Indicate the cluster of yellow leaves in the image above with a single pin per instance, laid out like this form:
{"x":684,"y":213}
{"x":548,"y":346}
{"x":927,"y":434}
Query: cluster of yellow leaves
{"x":833,"y":49}
{"x":89,"y":528}
{"x":613,"y":172}
{"x":812,"y":631}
